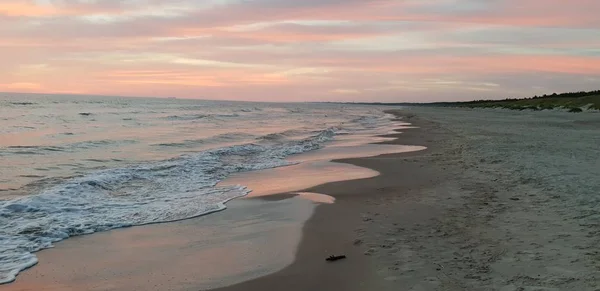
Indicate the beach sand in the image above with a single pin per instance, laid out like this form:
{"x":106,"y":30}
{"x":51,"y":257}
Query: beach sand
{"x":342,"y":228}
{"x":499,"y":200}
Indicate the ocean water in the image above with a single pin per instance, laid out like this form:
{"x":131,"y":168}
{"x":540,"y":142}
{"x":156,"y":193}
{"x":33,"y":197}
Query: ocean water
{"x":74,"y":165}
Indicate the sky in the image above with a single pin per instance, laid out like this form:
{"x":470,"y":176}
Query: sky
{"x":301,"y":50}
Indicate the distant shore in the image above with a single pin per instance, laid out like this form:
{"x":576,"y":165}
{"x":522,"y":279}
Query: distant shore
{"x":572,"y":102}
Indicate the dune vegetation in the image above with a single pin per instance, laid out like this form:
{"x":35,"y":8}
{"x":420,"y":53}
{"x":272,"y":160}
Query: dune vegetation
{"x":573,"y":102}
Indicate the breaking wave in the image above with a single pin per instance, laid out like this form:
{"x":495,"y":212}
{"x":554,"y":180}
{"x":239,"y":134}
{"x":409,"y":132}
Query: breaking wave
{"x":155,"y":192}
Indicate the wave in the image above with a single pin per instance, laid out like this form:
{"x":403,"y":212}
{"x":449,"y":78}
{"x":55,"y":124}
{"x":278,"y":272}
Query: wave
{"x":192,"y":107}
{"x":368,"y":122}
{"x":250,"y":109}
{"x":22,"y":103}
{"x":227,"y":137}
{"x":273,"y":137}
{"x":295,"y":110}
{"x":32,"y":150}
{"x":188,"y":117}
{"x":155,"y":192}
{"x":289,"y":135}
{"x":42,"y":150}
{"x":97,"y":143}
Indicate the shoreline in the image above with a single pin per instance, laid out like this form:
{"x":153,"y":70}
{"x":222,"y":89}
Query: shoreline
{"x":33,"y":279}
{"x":338,"y":228}
{"x":198,"y":253}
{"x":497,"y":201}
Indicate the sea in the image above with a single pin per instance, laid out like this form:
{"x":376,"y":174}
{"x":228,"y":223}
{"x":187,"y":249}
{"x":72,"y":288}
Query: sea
{"x":74,"y":165}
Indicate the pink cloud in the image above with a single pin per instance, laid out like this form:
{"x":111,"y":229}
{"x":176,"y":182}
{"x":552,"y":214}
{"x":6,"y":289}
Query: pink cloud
{"x":299,"y":49}
{"x":25,"y":8}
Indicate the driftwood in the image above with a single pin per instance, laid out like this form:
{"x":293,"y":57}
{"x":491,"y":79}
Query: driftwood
{"x":335,"y":258}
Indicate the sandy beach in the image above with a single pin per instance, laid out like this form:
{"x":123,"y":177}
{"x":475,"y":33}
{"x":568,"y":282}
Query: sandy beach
{"x":498,"y":200}
{"x":300,"y":145}
{"x":346,"y":226}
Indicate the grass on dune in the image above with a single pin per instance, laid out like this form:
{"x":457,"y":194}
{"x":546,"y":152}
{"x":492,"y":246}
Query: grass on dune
{"x":573,"y":102}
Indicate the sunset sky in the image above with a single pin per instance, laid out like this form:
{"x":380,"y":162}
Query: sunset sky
{"x":301,"y":50}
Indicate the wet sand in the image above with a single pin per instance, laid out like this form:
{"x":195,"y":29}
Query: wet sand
{"x":316,"y":168}
{"x":200,"y":253}
{"x":339,"y":228}
{"x":500,"y":200}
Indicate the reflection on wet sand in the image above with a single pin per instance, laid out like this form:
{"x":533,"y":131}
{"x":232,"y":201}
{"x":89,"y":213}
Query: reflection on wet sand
{"x":297,"y":177}
{"x":317,"y":197}
{"x":315,"y":168}
{"x":252,"y":238}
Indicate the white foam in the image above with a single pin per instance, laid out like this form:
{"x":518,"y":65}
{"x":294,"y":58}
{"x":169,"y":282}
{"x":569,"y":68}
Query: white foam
{"x":149,"y":193}
{"x":152,"y":192}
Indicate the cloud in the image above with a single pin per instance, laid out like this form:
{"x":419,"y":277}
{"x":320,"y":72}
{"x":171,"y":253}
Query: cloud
{"x":309,"y":50}
{"x":21,"y":86}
